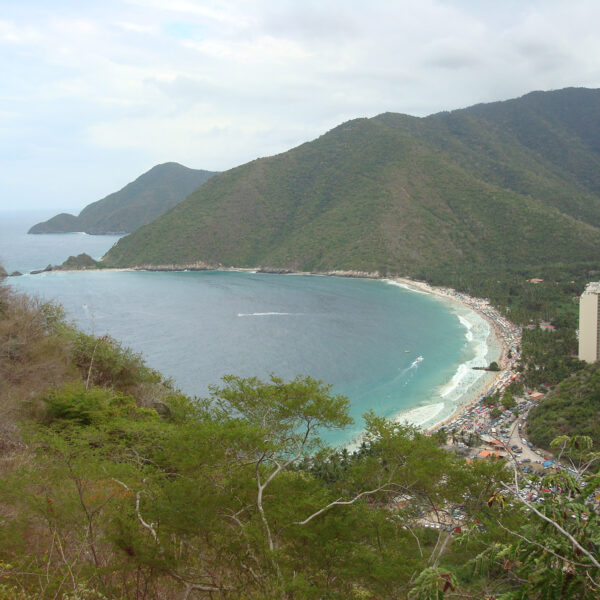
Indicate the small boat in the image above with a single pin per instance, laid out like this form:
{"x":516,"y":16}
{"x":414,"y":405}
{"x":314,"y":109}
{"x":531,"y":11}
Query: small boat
{"x":407,"y":351}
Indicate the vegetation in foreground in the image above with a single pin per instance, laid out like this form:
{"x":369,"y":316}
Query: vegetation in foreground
{"x":113,"y":485}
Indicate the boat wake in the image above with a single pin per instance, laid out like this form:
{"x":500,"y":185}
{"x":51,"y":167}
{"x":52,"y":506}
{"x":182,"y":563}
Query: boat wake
{"x":267,"y":314}
{"x":416,"y":362}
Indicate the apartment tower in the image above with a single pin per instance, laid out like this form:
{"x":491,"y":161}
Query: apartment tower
{"x":589,"y":323}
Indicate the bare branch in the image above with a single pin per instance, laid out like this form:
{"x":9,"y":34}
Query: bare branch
{"x":416,"y":538}
{"x":148,"y":526}
{"x":564,"y":532}
{"x":101,"y":339}
{"x":593,"y":581}
{"x":340,"y":502}
{"x":545,"y":548}
{"x":62,"y":555}
{"x":441,"y":548}
{"x":203,"y":588}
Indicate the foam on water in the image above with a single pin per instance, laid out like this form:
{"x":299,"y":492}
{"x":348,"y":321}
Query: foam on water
{"x":465,"y":376}
{"x":468,"y":326}
{"x":420,"y":415}
{"x":267,"y":314}
{"x":405,"y":286}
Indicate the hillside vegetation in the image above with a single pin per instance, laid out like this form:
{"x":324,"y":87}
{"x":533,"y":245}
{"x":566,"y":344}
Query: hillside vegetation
{"x":512,"y":183}
{"x":138,"y":203}
{"x":573,"y":407}
{"x":115,"y":486}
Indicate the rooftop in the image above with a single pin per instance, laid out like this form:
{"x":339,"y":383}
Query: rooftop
{"x":593,"y":287}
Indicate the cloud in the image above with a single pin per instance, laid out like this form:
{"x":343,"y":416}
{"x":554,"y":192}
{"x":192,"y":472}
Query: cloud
{"x":10,"y":33}
{"x":135,"y":27}
{"x":116,"y":85}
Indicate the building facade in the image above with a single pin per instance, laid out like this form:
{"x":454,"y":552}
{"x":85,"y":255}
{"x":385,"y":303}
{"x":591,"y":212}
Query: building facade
{"x":589,"y":323}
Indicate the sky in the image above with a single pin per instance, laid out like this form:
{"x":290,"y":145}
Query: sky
{"x":93,"y":94}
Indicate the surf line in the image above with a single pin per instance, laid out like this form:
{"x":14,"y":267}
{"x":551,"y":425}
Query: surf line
{"x":463,"y":385}
{"x":267,"y":314}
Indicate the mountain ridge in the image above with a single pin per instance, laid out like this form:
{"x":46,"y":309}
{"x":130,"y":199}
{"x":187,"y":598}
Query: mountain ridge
{"x":396,"y":194}
{"x":138,"y":203}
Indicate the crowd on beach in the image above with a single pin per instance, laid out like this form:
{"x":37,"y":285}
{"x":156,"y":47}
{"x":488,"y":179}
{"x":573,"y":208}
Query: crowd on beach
{"x":473,"y":416}
{"x":495,"y":435}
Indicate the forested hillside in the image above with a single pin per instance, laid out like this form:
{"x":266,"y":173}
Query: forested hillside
{"x":138,"y":203}
{"x":573,"y":407}
{"x":509,"y":184}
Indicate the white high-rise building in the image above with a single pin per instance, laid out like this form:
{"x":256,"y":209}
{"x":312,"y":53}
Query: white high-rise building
{"x":589,"y":323}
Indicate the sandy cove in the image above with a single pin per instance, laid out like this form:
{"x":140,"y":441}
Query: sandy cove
{"x":506,"y":334}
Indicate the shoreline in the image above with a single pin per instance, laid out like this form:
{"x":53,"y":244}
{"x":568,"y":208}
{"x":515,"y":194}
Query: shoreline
{"x":504,"y":334}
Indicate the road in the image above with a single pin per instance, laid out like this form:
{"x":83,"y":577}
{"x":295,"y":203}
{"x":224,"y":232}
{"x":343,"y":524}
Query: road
{"x":514,"y":439}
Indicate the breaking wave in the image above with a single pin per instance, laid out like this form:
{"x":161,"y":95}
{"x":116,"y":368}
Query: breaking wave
{"x":405,"y":286}
{"x":466,"y":376}
{"x":266,"y":314}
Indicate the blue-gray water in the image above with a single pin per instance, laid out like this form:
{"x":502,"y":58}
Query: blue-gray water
{"x":386,"y":348}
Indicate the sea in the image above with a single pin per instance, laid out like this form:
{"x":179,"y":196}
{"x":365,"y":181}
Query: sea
{"x":389,"y":348}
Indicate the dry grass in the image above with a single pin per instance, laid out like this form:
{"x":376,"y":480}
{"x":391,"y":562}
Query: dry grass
{"x":33,"y":358}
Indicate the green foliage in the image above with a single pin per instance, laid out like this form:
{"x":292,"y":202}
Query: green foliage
{"x":103,"y":361}
{"x":508,"y":400}
{"x":288,"y":412}
{"x":81,"y":261}
{"x":572,"y":408}
{"x":398,"y":195}
{"x":74,"y":404}
{"x":432,"y":584}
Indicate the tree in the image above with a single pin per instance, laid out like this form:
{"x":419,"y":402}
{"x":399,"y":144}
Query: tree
{"x":553,"y":553}
{"x":288,"y":417}
{"x":495,"y":412}
{"x":508,"y":400}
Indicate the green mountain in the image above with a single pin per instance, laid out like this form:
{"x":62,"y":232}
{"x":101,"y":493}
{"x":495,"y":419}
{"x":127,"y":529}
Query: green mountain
{"x":508,"y":183}
{"x":138,"y":203}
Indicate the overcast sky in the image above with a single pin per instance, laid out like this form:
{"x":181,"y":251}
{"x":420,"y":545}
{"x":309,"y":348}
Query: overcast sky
{"x":93,"y":94}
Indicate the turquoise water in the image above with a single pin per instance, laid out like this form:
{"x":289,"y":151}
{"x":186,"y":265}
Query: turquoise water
{"x":388,"y":349}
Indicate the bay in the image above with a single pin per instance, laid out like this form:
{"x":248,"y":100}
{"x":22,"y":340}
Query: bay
{"x":387,"y":348}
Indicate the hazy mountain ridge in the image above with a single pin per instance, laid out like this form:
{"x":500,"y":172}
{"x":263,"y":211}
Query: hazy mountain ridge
{"x":138,"y":203}
{"x":514,"y":182}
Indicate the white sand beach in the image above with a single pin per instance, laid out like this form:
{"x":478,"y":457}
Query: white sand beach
{"x":502,"y":337}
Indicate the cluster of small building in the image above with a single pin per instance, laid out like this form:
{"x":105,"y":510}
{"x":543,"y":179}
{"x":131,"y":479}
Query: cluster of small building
{"x":478,"y":435}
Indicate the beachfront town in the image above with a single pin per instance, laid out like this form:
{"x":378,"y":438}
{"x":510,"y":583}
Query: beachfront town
{"x":478,"y":431}
{"x":483,"y":431}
